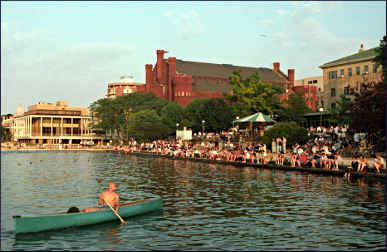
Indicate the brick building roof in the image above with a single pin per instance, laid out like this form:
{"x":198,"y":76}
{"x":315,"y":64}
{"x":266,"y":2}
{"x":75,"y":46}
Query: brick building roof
{"x":225,"y":70}
{"x":357,"y":57}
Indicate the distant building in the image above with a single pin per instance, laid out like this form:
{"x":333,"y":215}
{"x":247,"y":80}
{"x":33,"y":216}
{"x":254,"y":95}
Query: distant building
{"x":312,"y":88}
{"x":348,"y":75}
{"x":183,"y":81}
{"x":53,"y":124}
{"x":125,"y":85}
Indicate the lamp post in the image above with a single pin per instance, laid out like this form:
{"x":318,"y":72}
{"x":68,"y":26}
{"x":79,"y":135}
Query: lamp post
{"x":321,"y":111}
{"x":177,"y":128}
{"x":203,"y":122}
{"x":237,"y":125}
{"x":237,"y":118}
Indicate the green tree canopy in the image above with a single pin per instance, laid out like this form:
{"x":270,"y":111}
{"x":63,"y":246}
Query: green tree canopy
{"x":146,"y":125}
{"x":171,"y":114}
{"x":114,"y":114}
{"x":5,"y":134}
{"x":215,"y":112}
{"x":251,"y":95}
{"x":295,"y":110}
{"x":368,"y":110}
{"x":380,"y":59}
{"x":293,"y":133}
{"x":340,"y":114}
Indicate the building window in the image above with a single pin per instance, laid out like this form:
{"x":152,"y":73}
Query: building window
{"x":333,"y":92}
{"x":349,"y":71}
{"x":366,"y":69}
{"x":333,"y":105}
{"x":346,"y":90}
{"x":314,"y":81}
{"x":358,"y":70}
{"x":341,"y":72}
{"x":374,"y":68}
{"x":332,"y":75}
{"x":310,"y":82}
{"x":303,"y":82}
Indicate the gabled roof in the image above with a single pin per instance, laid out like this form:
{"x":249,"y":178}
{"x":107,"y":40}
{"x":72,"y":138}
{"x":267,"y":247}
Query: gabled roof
{"x":354,"y":58}
{"x":225,"y":70}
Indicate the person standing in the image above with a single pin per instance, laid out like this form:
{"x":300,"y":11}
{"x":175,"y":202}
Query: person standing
{"x":379,"y":163}
{"x":273,"y":146}
{"x":279,"y":145}
{"x":284,"y":144}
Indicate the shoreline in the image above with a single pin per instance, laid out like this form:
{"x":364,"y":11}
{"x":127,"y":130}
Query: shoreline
{"x":339,"y":172}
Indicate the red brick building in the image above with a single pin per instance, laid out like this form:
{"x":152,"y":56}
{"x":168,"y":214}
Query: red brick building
{"x":310,"y":94}
{"x":183,"y":81}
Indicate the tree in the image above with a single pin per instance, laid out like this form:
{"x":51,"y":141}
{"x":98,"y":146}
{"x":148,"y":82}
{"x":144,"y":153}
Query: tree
{"x":292,"y":132}
{"x":368,"y":111}
{"x":5,"y":134}
{"x":251,"y":95}
{"x":114,"y":114}
{"x":380,"y":59}
{"x":215,"y":112}
{"x":105,"y":113}
{"x":295,"y":110}
{"x":146,"y":125}
{"x":171,"y":114}
{"x":340,"y":114}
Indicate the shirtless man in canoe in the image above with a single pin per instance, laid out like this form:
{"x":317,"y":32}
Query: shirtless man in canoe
{"x":108,"y":197}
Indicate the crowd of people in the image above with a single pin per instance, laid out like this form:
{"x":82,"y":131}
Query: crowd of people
{"x":322,"y":150}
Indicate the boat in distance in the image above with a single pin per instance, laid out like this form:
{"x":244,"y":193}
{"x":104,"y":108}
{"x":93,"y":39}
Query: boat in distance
{"x":46,"y":222}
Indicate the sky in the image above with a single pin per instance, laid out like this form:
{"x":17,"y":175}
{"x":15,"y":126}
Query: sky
{"x":70,"y":51}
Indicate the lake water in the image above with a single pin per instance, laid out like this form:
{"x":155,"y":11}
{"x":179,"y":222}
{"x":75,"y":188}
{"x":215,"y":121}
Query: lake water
{"x":206,"y":206}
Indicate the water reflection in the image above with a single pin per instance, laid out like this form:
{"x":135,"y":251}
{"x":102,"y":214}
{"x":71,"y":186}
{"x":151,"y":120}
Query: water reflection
{"x":206,"y":206}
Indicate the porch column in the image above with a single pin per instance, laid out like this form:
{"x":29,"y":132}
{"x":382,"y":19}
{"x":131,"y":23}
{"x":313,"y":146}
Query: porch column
{"x":71,"y":126}
{"x":41,"y":126}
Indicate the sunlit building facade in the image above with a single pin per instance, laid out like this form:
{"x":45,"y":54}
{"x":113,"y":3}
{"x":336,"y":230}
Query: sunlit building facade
{"x":53,"y":124}
{"x":348,"y":75}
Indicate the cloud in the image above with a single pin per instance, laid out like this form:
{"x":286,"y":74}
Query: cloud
{"x":283,"y":12}
{"x":266,"y":21}
{"x":35,"y":67}
{"x":187,"y":24}
{"x":307,"y":43}
{"x":169,"y":13}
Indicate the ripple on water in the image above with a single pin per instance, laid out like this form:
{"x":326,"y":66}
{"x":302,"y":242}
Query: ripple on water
{"x":206,"y":206}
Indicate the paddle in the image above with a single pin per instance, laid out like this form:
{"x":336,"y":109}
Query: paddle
{"x":114,"y":211}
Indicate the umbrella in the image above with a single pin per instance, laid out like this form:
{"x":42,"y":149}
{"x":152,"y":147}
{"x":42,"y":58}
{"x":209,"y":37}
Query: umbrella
{"x":257,"y":117}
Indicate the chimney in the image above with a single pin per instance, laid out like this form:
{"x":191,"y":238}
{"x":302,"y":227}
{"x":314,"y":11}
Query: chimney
{"x":172,"y":67}
{"x":160,"y":57}
{"x":276,"y":66}
{"x":171,"y":76}
{"x":291,"y":78}
{"x":148,"y":77}
{"x":361,"y":47}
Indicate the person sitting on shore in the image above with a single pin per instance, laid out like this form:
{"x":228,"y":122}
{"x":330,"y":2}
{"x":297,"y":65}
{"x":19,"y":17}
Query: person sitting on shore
{"x":354,"y":164}
{"x":362,"y":164}
{"x":293,"y":159}
{"x":303,"y":159}
{"x":281,"y":158}
{"x":107,"y":197}
{"x":337,"y":161}
{"x":379,"y":163}
{"x":323,"y":160}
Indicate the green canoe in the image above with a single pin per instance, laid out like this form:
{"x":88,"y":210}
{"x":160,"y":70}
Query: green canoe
{"x":65,"y":220}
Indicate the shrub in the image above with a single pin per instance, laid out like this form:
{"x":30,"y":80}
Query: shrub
{"x":292,"y":132}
